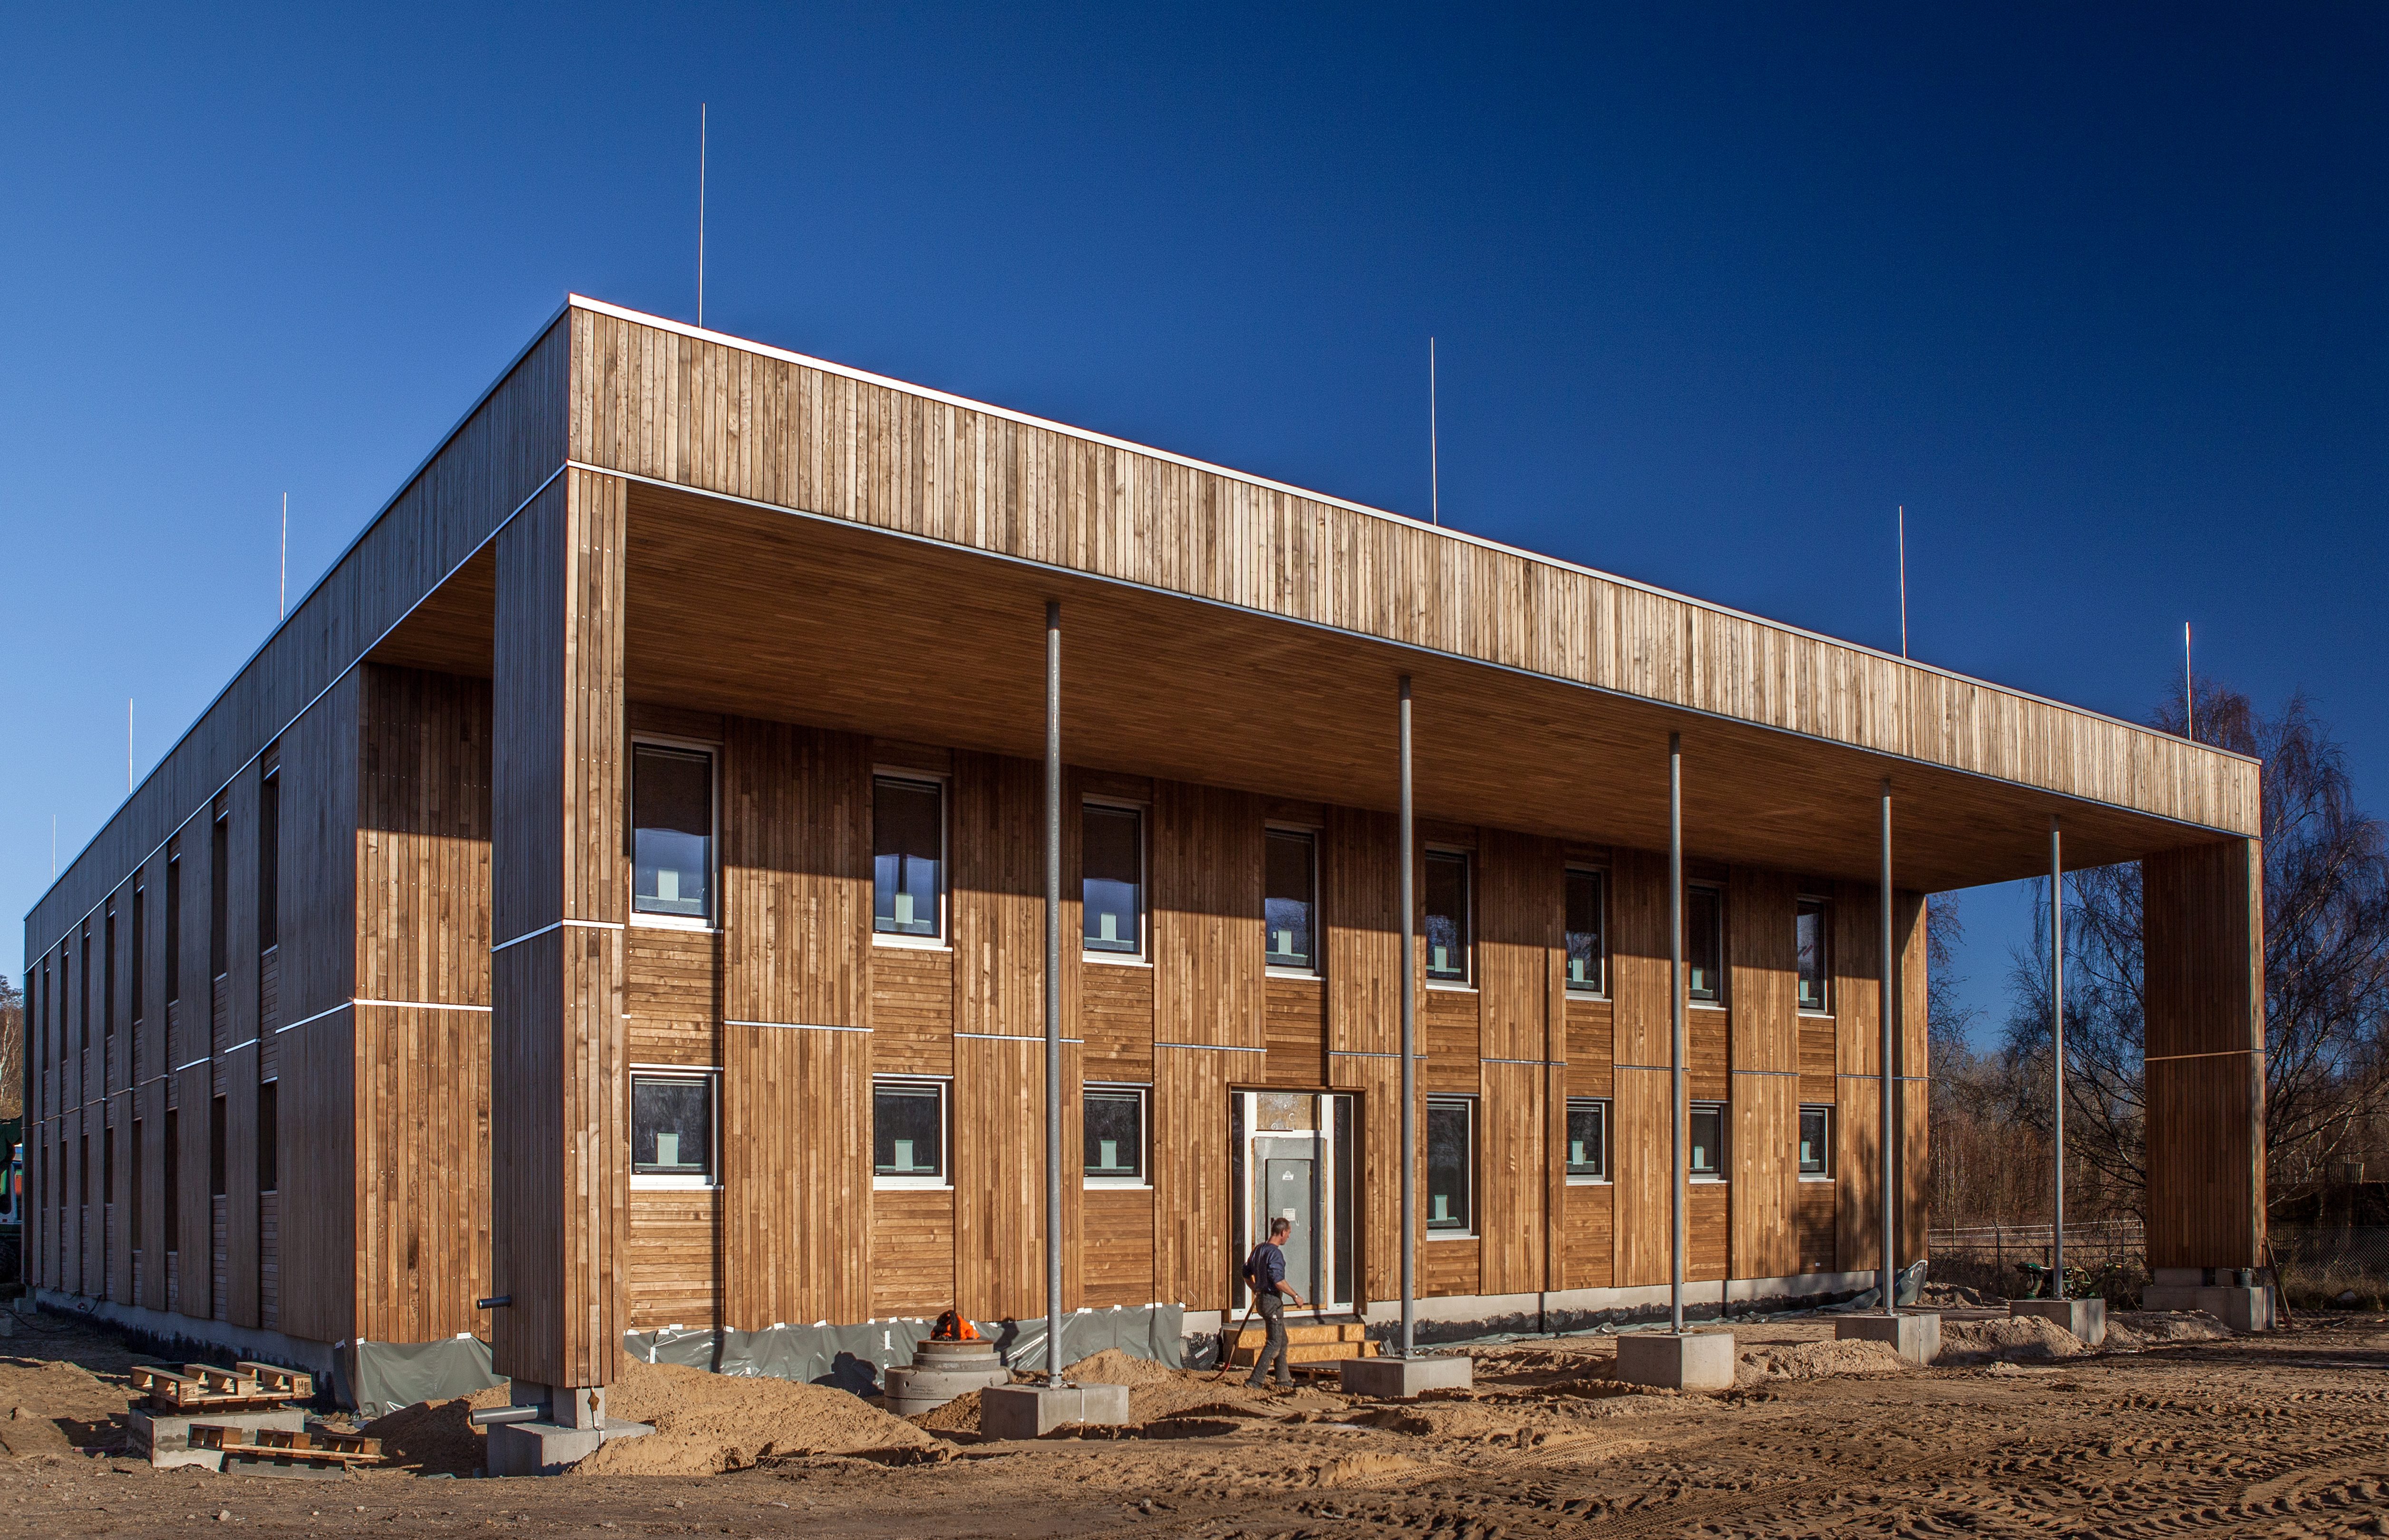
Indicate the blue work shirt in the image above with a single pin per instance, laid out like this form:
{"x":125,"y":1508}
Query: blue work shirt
{"x":1265,"y":1269}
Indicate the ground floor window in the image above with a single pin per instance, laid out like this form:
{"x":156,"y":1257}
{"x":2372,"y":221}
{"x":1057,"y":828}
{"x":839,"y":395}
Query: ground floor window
{"x":1115,"y":1136}
{"x":1708,"y":1140}
{"x":1816,"y":1129}
{"x":1450,"y":1163}
{"x":908,"y":1133}
{"x":1588,"y":1139}
{"x":671,"y":1130}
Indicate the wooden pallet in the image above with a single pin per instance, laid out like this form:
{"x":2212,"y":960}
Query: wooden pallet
{"x":281,"y":1444}
{"x":1318,"y":1343}
{"x":205,"y":1387}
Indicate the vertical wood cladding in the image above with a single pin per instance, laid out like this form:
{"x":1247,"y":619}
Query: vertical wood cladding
{"x":1857,"y":1113}
{"x":1208,"y":949}
{"x":559,"y":1183}
{"x":2204,"y":991}
{"x":1762,"y":914}
{"x":1523,"y":995}
{"x":1643,"y":1216}
{"x":795,"y":875}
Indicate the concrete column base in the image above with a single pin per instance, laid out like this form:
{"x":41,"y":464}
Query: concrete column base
{"x":1693,"y":1361}
{"x":2086,"y":1319}
{"x":1032,"y":1412}
{"x":167,"y":1435}
{"x":1916,"y":1337}
{"x":551,"y":1449}
{"x":2241,"y":1309}
{"x":1399,"y":1378}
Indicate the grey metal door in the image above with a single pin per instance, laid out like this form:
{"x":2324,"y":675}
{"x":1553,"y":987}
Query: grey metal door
{"x":1288,"y":1190}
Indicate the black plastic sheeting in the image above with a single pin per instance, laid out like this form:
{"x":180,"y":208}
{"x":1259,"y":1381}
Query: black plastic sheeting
{"x":851,"y":1357}
{"x":379,"y":1378}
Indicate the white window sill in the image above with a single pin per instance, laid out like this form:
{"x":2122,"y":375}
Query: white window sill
{"x":1116,"y":1184}
{"x":1705,"y":1005}
{"x":1451,"y":1235}
{"x":671,"y":922}
{"x":1311,"y":975}
{"x":1453,"y":988}
{"x":1116,"y":960}
{"x":674,"y":1184}
{"x":1589,"y":997}
{"x":911,"y":943}
{"x":911,"y":1184}
{"x":1819,"y":1016}
{"x":1698,"y":1180}
{"x":1819,"y":1181}
{"x":1588,"y":1181}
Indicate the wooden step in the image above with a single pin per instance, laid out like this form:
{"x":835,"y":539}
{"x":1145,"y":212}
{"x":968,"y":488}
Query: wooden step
{"x":1307,"y":1353}
{"x":1315,"y":1332}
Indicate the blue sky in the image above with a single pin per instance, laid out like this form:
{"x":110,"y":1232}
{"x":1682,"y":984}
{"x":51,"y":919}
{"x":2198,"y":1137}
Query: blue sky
{"x":2103,"y":298}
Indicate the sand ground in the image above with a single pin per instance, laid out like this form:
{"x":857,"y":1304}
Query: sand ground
{"x":2282,"y":1435}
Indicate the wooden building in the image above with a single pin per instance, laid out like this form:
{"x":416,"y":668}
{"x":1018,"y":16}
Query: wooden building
{"x":619,"y":885}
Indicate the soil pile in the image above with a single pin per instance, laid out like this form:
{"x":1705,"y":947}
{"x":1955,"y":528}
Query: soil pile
{"x":57,"y":1408}
{"x":2129,"y":1330}
{"x":708,"y":1423}
{"x":2017,"y":1339}
{"x":434,"y":1437}
{"x":29,"y":1433}
{"x":1816,"y":1361}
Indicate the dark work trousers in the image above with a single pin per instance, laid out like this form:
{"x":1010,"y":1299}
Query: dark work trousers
{"x":1272,"y":1309}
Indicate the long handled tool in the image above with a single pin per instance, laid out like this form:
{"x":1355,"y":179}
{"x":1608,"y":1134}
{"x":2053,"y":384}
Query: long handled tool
{"x":1227,"y":1350}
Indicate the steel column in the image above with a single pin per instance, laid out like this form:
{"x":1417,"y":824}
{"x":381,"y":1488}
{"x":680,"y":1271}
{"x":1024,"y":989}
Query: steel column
{"x":1888,"y":1274}
{"x":1680,"y":1185}
{"x":1052,"y":992}
{"x":1410,"y":1040}
{"x":2057,"y":1050}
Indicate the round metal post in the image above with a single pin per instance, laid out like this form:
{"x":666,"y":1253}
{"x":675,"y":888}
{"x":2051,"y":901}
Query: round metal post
{"x":1410,"y":1038}
{"x":1888,"y":1278}
{"x":2057,"y":1051}
{"x":1052,"y":992}
{"x":1679,"y":1186}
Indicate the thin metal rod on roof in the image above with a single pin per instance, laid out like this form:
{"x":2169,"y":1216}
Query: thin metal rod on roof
{"x":127,"y":746}
{"x":700,"y":213}
{"x":1434,"y":464}
{"x":285,"y":569}
{"x":1903,"y":581}
{"x":2189,"y":696}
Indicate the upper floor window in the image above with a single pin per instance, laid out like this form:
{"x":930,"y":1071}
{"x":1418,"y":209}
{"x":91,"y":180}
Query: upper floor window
{"x":1707,"y":1139}
{"x":1112,"y":878}
{"x":218,"y":890}
{"x":672,"y":820}
{"x":1450,"y":1163}
{"x":1447,"y":917}
{"x":1584,"y":950}
{"x":1705,"y":943}
{"x":907,"y":853}
{"x":908,"y":1132}
{"x":173,"y":928}
{"x":269,"y":862}
{"x":1810,"y":931}
{"x":1292,"y":902}
{"x":1816,"y":1155}
{"x":1115,"y":1135}
{"x":671,"y":1130}
{"x":1588,"y":1139}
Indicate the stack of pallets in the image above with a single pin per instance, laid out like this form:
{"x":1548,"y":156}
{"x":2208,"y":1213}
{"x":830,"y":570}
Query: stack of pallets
{"x":245,"y":1387}
{"x":196,"y":1391}
{"x":1313,"y":1348}
{"x":254,"y":1446}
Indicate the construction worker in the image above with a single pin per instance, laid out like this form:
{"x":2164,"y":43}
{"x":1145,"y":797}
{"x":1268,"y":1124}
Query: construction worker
{"x":1265,"y":1276}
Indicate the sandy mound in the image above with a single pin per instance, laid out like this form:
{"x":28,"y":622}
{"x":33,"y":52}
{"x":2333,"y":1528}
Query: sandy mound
{"x":1112,"y":1367}
{"x":435,"y":1436}
{"x":2129,"y":1330}
{"x":708,"y":1423}
{"x":2019,"y":1339}
{"x":29,"y":1433}
{"x":57,"y":1408}
{"x":1817,"y":1361}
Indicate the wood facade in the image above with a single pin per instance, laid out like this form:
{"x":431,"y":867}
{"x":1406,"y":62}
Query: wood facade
{"x":379,"y":899}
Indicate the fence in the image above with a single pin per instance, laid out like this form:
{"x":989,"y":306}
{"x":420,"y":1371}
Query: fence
{"x":2095,"y":1245}
{"x":2322,"y":1264}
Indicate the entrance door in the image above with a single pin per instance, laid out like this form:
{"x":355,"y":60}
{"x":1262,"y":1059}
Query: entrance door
{"x":1294,"y":1160}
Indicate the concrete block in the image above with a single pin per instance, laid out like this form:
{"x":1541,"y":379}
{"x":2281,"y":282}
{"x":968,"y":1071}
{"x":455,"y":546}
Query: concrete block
{"x":2241,"y":1309}
{"x":1032,"y":1412}
{"x":1916,"y":1337}
{"x":1399,"y":1378}
{"x":551,"y":1449}
{"x":2086,"y":1319}
{"x":167,"y":1435}
{"x":1695,"y":1361}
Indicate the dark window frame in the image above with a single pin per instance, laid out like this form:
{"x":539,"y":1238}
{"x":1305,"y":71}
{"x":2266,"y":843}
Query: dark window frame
{"x":1822,"y":1169}
{"x":1464,"y":976}
{"x":1118,"y":949}
{"x":1447,"y":1228}
{"x":709,"y":915}
{"x":1720,"y":1165}
{"x":269,"y":861}
{"x":1824,"y":909}
{"x":1119,"y":1090}
{"x":1309,"y":965}
{"x":1597,"y":986}
{"x":1713,"y":992}
{"x":708,"y":1174}
{"x":1600,"y":1173}
{"x":884,"y":927}
{"x":943,"y":1176}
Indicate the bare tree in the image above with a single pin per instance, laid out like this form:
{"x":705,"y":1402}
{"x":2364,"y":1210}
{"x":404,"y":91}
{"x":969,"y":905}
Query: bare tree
{"x":12,"y":1050}
{"x":2326,"y":896}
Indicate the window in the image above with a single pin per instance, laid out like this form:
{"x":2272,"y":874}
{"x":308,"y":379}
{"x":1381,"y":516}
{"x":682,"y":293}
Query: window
{"x":173,"y":928}
{"x":1584,"y":954}
{"x":1811,"y":935}
{"x":1114,"y":1129}
{"x":83,"y":992}
{"x":908,"y":850}
{"x":219,"y":895}
{"x":1816,"y":1132}
{"x":1293,"y":873}
{"x":1708,"y":1140}
{"x":1111,"y":863}
{"x":1450,"y":1163}
{"x":671,"y":838}
{"x":269,"y":1137}
{"x":908,"y":1132}
{"x":671,"y":1130}
{"x":173,"y":1184}
{"x":140,"y":953}
{"x":1588,"y":1139}
{"x":107,"y":976}
{"x":216,"y":1148}
{"x":1705,"y":943}
{"x":269,"y":863}
{"x":1447,"y":917}
{"x":132,"y":1190}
